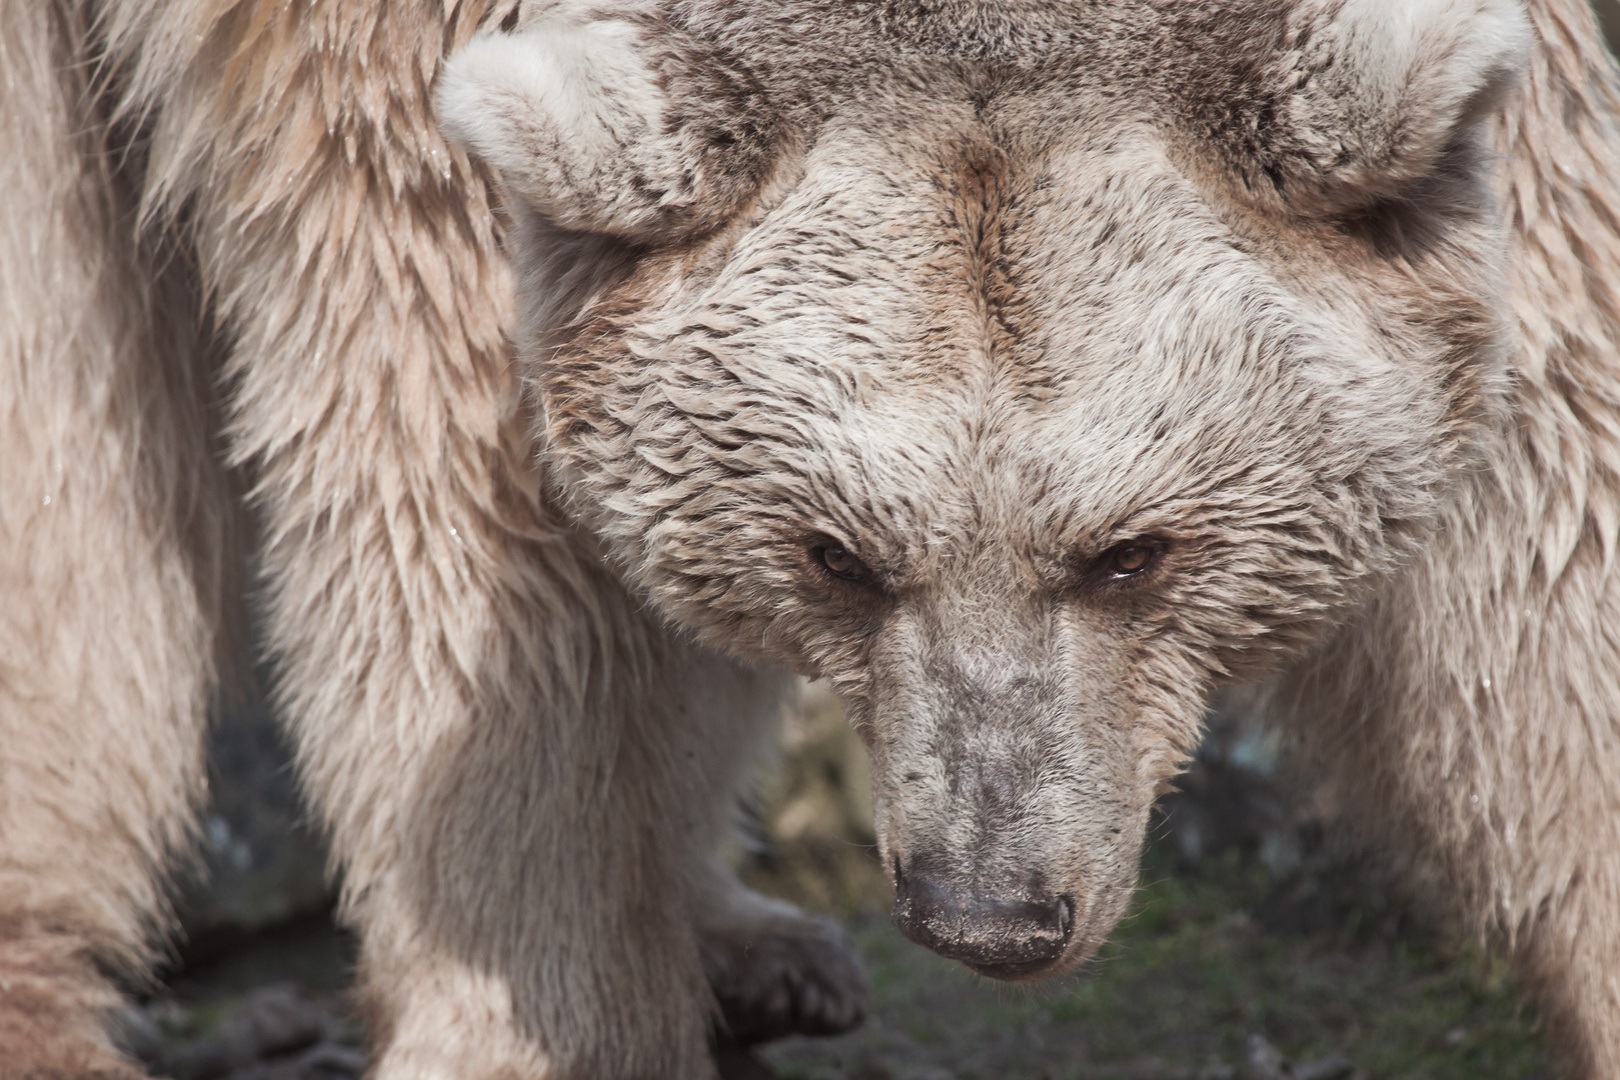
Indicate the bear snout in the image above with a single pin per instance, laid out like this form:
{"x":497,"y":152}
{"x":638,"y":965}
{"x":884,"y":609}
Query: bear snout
{"x":1014,"y":929}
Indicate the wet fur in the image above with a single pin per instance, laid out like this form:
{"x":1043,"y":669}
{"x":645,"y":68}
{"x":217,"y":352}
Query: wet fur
{"x":502,"y":741}
{"x":887,"y":265}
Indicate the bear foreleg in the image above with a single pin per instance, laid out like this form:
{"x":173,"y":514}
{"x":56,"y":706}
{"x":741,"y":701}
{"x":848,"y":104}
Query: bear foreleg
{"x":113,"y":522}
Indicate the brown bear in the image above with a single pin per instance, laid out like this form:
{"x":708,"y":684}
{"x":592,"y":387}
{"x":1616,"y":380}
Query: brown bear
{"x":1030,"y":371}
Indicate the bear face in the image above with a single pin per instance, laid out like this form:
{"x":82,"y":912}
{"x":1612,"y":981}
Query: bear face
{"x":1027,"y":399}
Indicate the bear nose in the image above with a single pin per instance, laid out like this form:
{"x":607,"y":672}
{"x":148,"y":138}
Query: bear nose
{"x":1010,"y":932}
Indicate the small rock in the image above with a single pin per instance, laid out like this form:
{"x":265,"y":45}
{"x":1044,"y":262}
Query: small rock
{"x":172,"y":1019}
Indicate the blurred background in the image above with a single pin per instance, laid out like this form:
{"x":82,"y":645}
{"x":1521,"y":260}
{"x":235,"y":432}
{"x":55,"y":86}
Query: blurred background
{"x":1259,"y":947}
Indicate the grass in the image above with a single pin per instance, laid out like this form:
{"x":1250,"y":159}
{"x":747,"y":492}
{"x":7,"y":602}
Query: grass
{"x":1177,"y":991}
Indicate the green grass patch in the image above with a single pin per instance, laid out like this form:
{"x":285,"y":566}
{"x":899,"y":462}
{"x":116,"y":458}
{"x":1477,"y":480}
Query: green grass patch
{"x":1177,"y":991}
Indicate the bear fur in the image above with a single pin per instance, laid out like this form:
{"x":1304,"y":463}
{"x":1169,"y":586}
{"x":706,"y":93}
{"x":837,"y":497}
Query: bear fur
{"x":1029,"y":371}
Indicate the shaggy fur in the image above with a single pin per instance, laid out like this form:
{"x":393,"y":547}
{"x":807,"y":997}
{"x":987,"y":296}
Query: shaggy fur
{"x":1248,"y":284}
{"x":516,"y":762}
{"x":1307,"y":304}
{"x":113,"y":548}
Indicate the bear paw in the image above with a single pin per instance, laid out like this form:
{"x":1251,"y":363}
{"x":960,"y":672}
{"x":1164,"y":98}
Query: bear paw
{"x":786,"y":973}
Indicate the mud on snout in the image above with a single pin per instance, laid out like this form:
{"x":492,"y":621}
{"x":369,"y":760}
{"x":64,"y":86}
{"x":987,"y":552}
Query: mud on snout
{"x":1009,"y":811}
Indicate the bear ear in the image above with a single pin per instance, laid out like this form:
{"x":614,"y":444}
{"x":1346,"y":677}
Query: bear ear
{"x":617,"y":125}
{"x":1361,"y":98}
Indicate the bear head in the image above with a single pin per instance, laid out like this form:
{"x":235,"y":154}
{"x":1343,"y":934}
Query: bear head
{"x":1027,"y":370}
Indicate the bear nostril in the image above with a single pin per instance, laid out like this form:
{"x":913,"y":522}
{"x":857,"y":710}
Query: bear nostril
{"x":1007,"y":932}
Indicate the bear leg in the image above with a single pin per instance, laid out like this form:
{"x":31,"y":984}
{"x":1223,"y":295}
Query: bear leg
{"x":1494,"y":792}
{"x":774,"y":970}
{"x":53,"y":1004}
{"x":520,"y":876}
{"x":1572,"y":959}
{"x":112,"y":524}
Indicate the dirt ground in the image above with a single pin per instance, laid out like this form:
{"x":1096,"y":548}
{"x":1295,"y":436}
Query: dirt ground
{"x":1256,"y":951}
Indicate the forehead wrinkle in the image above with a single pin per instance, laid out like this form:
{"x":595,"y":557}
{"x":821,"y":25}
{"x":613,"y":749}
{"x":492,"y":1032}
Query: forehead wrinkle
{"x":972,"y":327}
{"x":973,"y":180}
{"x":928,"y":501}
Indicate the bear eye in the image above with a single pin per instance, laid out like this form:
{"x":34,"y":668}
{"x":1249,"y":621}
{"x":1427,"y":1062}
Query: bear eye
{"x":1131,"y":558}
{"x":837,"y":561}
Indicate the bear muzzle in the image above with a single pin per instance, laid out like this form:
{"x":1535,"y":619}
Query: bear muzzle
{"x":1013,"y":929}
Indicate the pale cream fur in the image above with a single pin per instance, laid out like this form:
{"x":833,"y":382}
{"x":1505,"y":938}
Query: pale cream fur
{"x":502,"y":741}
{"x":1319,"y":298}
{"x":587,"y":82}
{"x":113,"y":552}
{"x":1287,"y":289}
